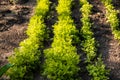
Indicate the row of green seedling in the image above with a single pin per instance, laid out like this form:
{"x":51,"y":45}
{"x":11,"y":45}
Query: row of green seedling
{"x":111,"y":15}
{"x":61,"y":60}
{"x":27,"y":57}
{"x":95,"y":67}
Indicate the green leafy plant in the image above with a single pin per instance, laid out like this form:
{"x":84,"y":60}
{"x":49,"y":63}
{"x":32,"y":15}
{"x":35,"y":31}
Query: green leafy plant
{"x":111,"y":15}
{"x":107,"y":2}
{"x":89,"y":44}
{"x":98,"y":71}
{"x":61,"y":59}
{"x":26,"y":58}
{"x":4,"y":68}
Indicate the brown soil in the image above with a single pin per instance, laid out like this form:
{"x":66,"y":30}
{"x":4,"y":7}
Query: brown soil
{"x":14,"y":21}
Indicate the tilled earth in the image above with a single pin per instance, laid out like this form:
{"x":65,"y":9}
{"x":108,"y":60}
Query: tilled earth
{"x":14,"y":21}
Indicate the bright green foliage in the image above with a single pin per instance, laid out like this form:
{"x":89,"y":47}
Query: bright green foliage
{"x":83,"y":2}
{"x":65,"y":30}
{"x":61,"y":62}
{"x":86,"y":10}
{"x":89,"y":48}
{"x":107,"y":2}
{"x":37,"y":29}
{"x":98,"y":70}
{"x":111,"y":15}
{"x":64,"y":7}
{"x":89,"y":42}
{"x":116,"y":34}
{"x":42,"y":8}
{"x":26,"y":58}
{"x":62,"y":59}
